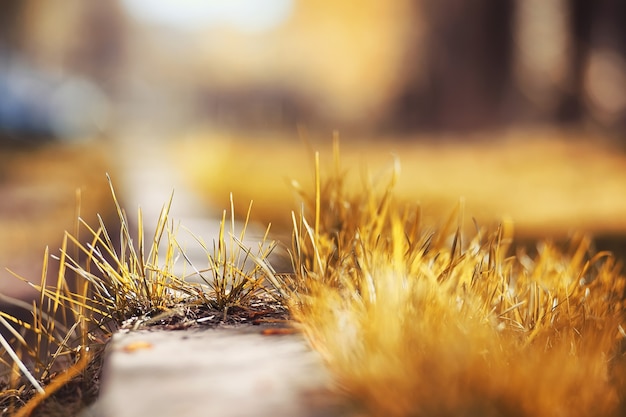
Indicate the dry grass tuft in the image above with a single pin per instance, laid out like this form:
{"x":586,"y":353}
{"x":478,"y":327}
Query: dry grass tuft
{"x":423,"y":321}
{"x":108,"y":283}
{"x":235,"y":274}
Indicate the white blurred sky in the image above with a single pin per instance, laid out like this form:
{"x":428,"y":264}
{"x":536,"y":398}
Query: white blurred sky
{"x":244,"y":15}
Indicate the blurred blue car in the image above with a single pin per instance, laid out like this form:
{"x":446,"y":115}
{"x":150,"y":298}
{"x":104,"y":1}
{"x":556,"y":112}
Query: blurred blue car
{"x":37,"y":107}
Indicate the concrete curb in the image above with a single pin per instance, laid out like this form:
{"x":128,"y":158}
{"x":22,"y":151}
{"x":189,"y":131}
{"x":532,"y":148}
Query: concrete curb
{"x":226,"y":372}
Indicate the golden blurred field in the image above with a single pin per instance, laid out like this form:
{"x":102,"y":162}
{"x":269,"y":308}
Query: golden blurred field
{"x":39,"y":189}
{"x":548,"y":182}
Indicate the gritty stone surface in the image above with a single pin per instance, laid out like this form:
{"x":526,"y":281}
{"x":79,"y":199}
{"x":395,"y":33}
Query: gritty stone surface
{"x":227,"y":372}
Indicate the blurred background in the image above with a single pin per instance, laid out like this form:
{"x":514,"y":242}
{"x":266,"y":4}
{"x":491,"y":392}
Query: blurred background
{"x":517,"y":106}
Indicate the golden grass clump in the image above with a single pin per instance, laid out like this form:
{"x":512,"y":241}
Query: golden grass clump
{"x":108,"y":283}
{"x":421,"y":321}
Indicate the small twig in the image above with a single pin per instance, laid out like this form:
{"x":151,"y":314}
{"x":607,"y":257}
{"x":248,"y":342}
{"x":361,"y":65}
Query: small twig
{"x":55,"y":385}
{"x":17,"y":360}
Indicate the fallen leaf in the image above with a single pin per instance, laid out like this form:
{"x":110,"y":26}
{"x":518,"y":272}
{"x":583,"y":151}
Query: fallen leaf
{"x":276,"y":331}
{"x":137,"y":345}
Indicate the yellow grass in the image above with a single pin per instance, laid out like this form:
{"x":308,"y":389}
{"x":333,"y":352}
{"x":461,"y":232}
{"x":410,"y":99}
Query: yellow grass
{"x":103,"y":283}
{"x":421,"y":321}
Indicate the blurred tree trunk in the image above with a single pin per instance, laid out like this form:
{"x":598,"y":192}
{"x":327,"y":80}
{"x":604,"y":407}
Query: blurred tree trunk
{"x":599,"y":61}
{"x":10,"y":22}
{"x":493,"y":62}
{"x":76,"y":37}
{"x":466,"y":58}
{"x":543,"y":50}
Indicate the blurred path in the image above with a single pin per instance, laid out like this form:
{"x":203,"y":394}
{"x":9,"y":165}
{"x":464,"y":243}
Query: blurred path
{"x":147,"y":176}
{"x":226,"y":372}
{"x":233,"y":372}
